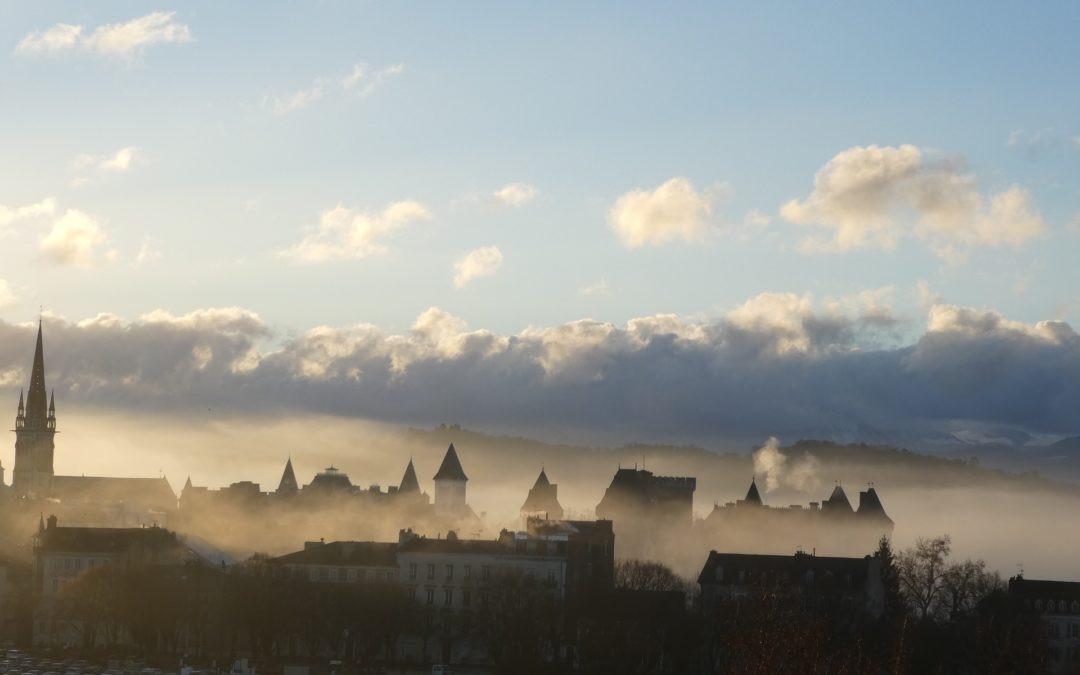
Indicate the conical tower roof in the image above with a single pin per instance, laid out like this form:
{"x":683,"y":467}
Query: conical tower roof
{"x":541,"y":480}
{"x":288,"y":479}
{"x":450,"y":469}
{"x":838,"y":499}
{"x":37,"y":403}
{"x":409,"y":483}
{"x":752,"y":495}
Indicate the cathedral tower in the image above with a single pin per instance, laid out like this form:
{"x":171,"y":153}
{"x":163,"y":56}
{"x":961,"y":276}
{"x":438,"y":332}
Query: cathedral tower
{"x":35,"y":427}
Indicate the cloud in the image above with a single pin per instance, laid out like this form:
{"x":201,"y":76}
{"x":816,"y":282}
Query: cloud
{"x":598,"y":288}
{"x":73,"y":239}
{"x":516,"y":194}
{"x":121,"y":160}
{"x":59,"y":38}
{"x":481,"y":262}
{"x":780,"y":365}
{"x":11,"y":215}
{"x":672,"y":211}
{"x":147,"y":254}
{"x":360,"y":79}
{"x":349,"y":234}
{"x":862,"y":195}
{"x":127,"y":39}
{"x":7,"y":296}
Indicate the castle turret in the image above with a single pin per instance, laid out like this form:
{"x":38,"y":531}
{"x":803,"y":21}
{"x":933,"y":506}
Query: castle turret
{"x":409,"y":484}
{"x":288,"y":485}
{"x":35,"y":428}
{"x":837,"y":503}
{"x":450,"y":483}
{"x":753,"y":497}
{"x":543,"y":499}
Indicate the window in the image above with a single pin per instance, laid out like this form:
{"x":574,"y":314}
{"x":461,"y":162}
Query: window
{"x":389,"y":575}
{"x":485,"y":572}
{"x":551,"y":577}
{"x":342,"y":574}
{"x":448,"y":596}
{"x":412,"y":593}
{"x":313,"y":574}
{"x":719,"y":572}
{"x":1074,"y":630}
{"x":431,"y":571}
{"x":431,"y":596}
{"x":324,"y":574}
{"x":468,"y":572}
{"x":449,"y":572}
{"x":466,"y":598}
{"x":412,"y":570}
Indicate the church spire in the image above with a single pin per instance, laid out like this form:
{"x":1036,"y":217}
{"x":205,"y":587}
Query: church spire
{"x":36,"y":397}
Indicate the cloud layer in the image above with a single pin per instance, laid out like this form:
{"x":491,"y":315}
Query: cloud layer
{"x":779,"y":363}
{"x":481,"y":262}
{"x":872,"y":196}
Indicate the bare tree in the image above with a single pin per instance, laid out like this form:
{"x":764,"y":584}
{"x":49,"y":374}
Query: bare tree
{"x":922,"y":574}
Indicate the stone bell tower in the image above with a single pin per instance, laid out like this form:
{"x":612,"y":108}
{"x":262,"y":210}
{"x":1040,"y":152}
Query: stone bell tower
{"x":35,"y":429}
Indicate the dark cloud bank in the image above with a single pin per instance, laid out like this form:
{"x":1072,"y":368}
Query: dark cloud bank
{"x":774,"y":366}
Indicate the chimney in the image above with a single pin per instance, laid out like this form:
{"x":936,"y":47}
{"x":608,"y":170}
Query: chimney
{"x":52,"y":522}
{"x":405,"y":536}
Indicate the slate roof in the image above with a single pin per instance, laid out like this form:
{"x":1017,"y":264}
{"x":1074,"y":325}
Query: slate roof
{"x":147,"y":492}
{"x":451,"y":467}
{"x":752,"y":495}
{"x":409,"y":483}
{"x":345,"y":554}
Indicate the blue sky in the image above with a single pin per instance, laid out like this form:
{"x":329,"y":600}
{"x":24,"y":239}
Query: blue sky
{"x":582,"y":102}
{"x":540,"y":215}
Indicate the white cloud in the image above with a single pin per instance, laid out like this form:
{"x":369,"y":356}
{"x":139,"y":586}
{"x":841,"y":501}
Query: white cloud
{"x":674,"y":210}
{"x":147,"y":254}
{"x":349,"y":234}
{"x":360,"y":79}
{"x":11,"y":215}
{"x":119,"y":39}
{"x":7,"y":296}
{"x":516,"y":194}
{"x":121,"y":160}
{"x":126,"y":39}
{"x":481,"y":262}
{"x":862,"y":195}
{"x":73,"y":239}
{"x":61,"y":37}
{"x":599,"y":288}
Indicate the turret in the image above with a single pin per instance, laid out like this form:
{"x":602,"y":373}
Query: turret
{"x":543,"y":499}
{"x":50,"y":421}
{"x":753,"y":497}
{"x":288,"y":485}
{"x":450,"y":483}
{"x":20,"y":417}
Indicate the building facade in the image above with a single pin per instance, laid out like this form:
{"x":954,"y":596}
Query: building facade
{"x":1058,"y":604}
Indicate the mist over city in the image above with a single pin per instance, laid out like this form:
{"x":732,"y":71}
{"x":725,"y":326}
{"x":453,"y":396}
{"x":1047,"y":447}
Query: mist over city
{"x":349,"y":338}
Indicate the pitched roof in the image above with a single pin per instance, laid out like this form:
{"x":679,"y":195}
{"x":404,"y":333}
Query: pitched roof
{"x":344,"y":553}
{"x":542,"y":479}
{"x":288,"y":479}
{"x":543,"y":498}
{"x":409,"y":483}
{"x":451,"y":467}
{"x":106,"y":539}
{"x":147,"y":492}
{"x":752,"y":495}
{"x":838,"y":499}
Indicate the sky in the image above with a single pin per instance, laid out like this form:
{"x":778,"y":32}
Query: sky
{"x":540,"y":216}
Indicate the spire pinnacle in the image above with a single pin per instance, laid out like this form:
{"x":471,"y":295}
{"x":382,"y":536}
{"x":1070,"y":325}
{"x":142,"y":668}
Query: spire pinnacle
{"x":36,"y":402}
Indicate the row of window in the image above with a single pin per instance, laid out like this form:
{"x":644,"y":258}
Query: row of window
{"x":1057,"y":629}
{"x":57,"y":565}
{"x":344,"y":574}
{"x":1059,"y":606}
{"x":448,"y":572}
{"x":447,"y":596}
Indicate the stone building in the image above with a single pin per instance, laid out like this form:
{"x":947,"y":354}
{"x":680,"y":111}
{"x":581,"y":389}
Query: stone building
{"x":1058,"y":604}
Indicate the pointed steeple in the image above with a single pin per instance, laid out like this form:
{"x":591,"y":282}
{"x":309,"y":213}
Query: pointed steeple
{"x":543,"y":499}
{"x":22,"y":408}
{"x":409,"y":483}
{"x":36,"y":397}
{"x":451,"y":467}
{"x":541,"y":480}
{"x":752,"y":495}
{"x":187,"y":484}
{"x":288,"y":482}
